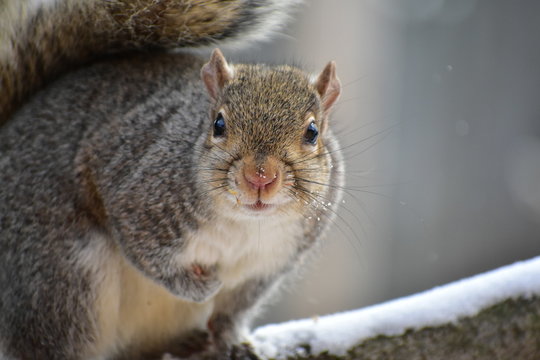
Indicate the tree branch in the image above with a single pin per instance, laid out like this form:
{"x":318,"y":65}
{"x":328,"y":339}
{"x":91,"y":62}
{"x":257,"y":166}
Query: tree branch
{"x":495,"y":315}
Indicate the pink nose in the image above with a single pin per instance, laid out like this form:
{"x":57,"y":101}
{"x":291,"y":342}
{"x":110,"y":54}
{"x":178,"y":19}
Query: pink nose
{"x":261,"y":178}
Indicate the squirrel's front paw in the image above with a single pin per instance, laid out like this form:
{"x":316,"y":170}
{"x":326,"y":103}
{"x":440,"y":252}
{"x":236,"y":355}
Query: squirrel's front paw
{"x":243,"y":351}
{"x":196,"y":283}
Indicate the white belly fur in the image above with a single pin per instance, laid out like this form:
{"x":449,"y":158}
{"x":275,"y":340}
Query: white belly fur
{"x":242,"y":249}
{"x":134,"y":310}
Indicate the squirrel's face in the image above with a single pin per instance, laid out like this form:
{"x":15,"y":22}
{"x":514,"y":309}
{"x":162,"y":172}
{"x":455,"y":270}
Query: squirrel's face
{"x":265,"y":148}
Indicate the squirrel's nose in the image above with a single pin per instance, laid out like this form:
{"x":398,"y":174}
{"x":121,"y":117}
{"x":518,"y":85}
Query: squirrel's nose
{"x":260,"y":177}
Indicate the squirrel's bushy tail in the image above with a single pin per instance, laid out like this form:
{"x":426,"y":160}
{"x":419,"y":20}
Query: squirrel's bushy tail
{"x":41,"y":38}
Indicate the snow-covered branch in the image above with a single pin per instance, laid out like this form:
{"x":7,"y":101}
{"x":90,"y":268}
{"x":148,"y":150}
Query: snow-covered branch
{"x":495,"y":315}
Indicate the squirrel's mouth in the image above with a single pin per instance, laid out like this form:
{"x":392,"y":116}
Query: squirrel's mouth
{"x":259,"y":206}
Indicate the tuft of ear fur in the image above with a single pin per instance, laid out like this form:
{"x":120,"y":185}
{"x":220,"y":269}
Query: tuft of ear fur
{"x":328,"y":86}
{"x":216,"y":73}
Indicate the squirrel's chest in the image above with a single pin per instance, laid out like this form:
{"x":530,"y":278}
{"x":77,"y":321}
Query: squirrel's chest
{"x":243,"y":249}
{"x":133,"y":309}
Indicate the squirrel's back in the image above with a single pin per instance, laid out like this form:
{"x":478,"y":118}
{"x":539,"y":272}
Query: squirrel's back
{"x":53,"y":228}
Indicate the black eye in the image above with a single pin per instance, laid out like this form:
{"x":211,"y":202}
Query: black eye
{"x":311,"y":134}
{"x":219,"y":125}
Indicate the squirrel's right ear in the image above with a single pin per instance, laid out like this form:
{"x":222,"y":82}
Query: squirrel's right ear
{"x":328,"y":86}
{"x":216,"y":73}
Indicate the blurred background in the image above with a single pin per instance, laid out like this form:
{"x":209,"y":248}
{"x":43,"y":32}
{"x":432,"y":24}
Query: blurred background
{"x":440,"y":114}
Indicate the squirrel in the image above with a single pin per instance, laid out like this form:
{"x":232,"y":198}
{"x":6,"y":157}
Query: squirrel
{"x":150,"y":200}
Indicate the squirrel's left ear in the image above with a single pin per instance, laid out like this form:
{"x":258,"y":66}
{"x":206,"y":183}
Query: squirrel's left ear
{"x":216,"y":73}
{"x":328,"y":86}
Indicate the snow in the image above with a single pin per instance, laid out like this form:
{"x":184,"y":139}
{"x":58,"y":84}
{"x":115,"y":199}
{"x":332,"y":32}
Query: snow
{"x":444,"y":304}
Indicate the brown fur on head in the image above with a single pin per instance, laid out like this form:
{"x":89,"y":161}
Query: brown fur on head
{"x":261,"y":144}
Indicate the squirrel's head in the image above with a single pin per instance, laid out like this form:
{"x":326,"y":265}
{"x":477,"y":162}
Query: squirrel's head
{"x":266,"y":148}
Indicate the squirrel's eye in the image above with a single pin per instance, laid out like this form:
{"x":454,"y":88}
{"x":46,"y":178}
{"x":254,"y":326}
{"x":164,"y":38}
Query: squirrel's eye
{"x":219,"y":125}
{"x":311,"y":134}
